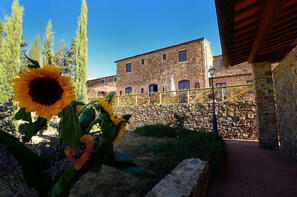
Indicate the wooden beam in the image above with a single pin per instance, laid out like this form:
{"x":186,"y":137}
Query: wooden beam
{"x":271,"y":12}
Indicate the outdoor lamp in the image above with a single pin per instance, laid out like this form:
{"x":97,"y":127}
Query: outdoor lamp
{"x":214,"y":117}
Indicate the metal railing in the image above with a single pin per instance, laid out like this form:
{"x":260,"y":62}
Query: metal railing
{"x":222,"y":94}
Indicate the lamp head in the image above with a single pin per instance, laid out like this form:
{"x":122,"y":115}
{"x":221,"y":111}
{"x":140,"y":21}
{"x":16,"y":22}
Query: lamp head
{"x":211,"y":71}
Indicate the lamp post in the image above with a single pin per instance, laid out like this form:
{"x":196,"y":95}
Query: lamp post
{"x":214,"y":117}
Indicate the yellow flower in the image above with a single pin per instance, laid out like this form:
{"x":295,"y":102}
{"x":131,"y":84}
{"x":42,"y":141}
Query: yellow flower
{"x":108,"y":108}
{"x":43,"y":90}
{"x":121,"y":133}
{"x":83,"y":155}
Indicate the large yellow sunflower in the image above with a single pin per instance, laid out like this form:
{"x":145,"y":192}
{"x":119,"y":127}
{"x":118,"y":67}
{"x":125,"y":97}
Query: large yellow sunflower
{"x":43,"y":90}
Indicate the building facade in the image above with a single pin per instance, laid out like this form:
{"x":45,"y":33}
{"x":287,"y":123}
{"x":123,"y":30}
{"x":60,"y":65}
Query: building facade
{"x":182,"y":66}
{"x":97,"y":86}
{"x":233,"y":75}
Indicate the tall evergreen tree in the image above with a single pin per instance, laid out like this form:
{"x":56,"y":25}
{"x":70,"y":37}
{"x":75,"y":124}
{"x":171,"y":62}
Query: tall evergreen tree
{"x":10,"y":49}
{"x":47,"y":53}
{"x":80,"y":80}
{"x":61,"y":58}
{"x":35,"y":49}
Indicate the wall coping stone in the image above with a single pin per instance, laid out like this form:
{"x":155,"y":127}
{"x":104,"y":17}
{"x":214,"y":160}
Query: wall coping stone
{"x":189,"y":178}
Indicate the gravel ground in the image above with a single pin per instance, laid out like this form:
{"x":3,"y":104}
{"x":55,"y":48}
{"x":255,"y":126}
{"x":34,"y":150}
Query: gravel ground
{"x":111,"y":182}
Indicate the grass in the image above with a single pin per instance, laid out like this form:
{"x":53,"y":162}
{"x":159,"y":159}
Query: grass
{"x":184,"y":144}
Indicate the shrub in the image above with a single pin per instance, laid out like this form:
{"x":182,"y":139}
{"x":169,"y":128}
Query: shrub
{"x":157,"y":131}
{"x":188,"y":144}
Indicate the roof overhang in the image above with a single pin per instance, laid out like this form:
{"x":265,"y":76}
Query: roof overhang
{"x":256,"y":30}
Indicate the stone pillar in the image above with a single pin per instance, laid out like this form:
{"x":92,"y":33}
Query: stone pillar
{"x":265,"y":103}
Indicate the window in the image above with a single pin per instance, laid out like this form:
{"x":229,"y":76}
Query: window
{"x":121,"y":92}
{"x":221,"y":62}
{"x":197,"y":85}
{"x":128,"y":90}
{"x":142,"y":61}
{"x":91,"y":84}
{"x":164,"y":57}
{"x":220,"y":90}
{"x":115,"y":79}
{"x":153,"y":88}
{"x":102,"y":81}
{"x":220,"y":84}
{"x":164,"y":88}
{"x":182,"y":56}
{"x":141,"y":90}
{"x":128,"y":68}
{"x":185,"y":84}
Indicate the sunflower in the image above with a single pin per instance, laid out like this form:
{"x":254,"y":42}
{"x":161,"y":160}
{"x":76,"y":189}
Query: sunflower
{"x":108,"y":108}
{"x":81,"y":156}
{"x":43,"y":90}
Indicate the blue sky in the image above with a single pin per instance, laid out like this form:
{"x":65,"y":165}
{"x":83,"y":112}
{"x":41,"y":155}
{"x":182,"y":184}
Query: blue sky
{"x":121,"y":28}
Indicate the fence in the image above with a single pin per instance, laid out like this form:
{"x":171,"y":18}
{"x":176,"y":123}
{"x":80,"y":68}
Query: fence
{"x":222,"y":94}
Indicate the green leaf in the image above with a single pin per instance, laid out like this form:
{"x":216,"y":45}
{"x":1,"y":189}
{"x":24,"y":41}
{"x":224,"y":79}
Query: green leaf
{"x":86,"y":118}
{"x":34,"y":64}
{"x":75,"y":103}
{"x":109,"y":130}
{"x":36,"y":126}
{"x":70,"y":130}
{"x":126,"y":118}
{"x":110,"y":96}
{"x":33,"y":166}
{"x":124,"y":162}
{"x":63,"y":185}
{"x":22,"y":115}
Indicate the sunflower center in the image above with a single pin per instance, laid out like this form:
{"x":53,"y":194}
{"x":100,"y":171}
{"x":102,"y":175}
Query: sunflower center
{"x":45,"y":91}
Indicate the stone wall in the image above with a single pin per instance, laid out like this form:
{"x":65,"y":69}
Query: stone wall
{"x":236,"y":120}
{"x":285,"y":84}
{"x":188,"y":179}
{"x":265,"y":102}
{"x":151,"y":68}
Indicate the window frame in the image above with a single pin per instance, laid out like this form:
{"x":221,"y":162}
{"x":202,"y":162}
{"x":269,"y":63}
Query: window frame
{"x":130,"y":90}
{"x":180,"y":60}
{"x":128,"y":67}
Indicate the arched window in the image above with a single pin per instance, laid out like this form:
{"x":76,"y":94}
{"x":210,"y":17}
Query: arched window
{"x":128,"y":90}
{"x":141,"y":90}
{"x":197,"y":85}
{"x":153,"y":88}
{"x":184,"y":84}
{"x":164,"y":88}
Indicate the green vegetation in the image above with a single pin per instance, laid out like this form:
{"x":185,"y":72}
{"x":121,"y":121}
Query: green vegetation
{"x":35,"y":49}
{"x":10,"y":49}
{"x":187,"y":144}
{"x":80,"y":79}
{"x":47,"y":53}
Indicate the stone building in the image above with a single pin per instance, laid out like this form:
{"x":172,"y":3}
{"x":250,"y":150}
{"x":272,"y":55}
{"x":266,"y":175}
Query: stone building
{"x":97,"y":86}
{"x":185,"y":65}
{"x":239,"y":74}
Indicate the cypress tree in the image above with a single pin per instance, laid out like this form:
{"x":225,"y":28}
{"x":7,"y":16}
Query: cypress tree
{"x":11,"y":50}
{"x":47,"y":53}
{"x":80,"y":80}
{"x":35,"y":49}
